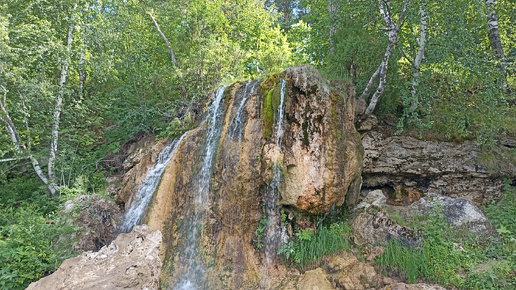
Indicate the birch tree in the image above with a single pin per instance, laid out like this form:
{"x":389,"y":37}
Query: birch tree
{"x":494,"y":36}
{"x":392,"y":30}
{"x":418,"y":58}
{"x":23,"y":146}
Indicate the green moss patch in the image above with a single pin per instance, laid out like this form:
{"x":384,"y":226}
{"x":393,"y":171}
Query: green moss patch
{"x":271,"y":92}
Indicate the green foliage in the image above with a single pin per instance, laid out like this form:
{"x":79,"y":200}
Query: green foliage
{"x":23,"y":191}
{"x":309,"y":248}
{"x":502,"y":214}
{"x":260,"y":232}
{"x":29,"y":248}
{"x":444,"y":254}
{"x":498,"y":276}
{"x":178,"y":127}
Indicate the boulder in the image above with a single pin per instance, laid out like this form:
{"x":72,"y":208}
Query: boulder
{"x":129,"y":262}
{"x":373,"y":226}
{"x":371,"y":222}
{"x":314,"y":280}
{"x":349,"y":273}
{"x":98,"y":218}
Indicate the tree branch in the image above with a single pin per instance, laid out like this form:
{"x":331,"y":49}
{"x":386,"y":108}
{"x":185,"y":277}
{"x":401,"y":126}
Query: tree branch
{"x":406,"y":57}
{"x":12,"y":159}
{"x":172,"y":55}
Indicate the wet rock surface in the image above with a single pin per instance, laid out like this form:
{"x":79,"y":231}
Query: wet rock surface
{"x":129,"y":262}
{"x":320,"y":160}
{"x":129,"y":167}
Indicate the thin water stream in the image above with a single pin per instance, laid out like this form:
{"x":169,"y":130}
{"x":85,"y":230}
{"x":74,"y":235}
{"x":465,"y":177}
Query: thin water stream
{"x":192,"y":274}
{"x":146,"y":190}
{"x":273,"y":233}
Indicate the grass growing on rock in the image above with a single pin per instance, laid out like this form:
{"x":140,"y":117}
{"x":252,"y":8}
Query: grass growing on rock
{"x":465,"y":262}
{"x":308,"y":248}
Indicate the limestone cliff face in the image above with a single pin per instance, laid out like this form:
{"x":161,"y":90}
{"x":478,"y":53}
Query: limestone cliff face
{"x":319,"y":159}
{"x":447,"y":168}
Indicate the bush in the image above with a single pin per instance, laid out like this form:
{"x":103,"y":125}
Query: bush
{"x":28,"y":248}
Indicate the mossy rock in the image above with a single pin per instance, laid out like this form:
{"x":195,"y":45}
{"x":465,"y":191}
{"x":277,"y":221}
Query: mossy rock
{"x":271,"y":91}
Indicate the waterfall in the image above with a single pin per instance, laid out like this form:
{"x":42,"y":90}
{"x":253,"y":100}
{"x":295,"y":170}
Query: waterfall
{"x":146,"y":190}
{"x":235,"y":128}
{"x":193,"y":272}
{"x":273,"y":235}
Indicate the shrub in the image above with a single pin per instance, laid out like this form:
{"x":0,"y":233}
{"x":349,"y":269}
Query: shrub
{"x":28,"y":248}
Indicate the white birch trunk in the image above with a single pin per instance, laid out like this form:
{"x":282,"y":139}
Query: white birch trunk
{"x":392,"y":34}
{"x":82,"y":72}
{"x":20,"y":149}
{"x":416,"y":65}
{"x":172,"y":55}
{"x":494,"y":36}
{"x":59,"y":105}
{"x":332,"y":16}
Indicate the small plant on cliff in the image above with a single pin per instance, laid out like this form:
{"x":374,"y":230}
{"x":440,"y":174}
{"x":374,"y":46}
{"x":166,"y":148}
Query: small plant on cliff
{"x":502,"y":214}
{"x":260,"y":232}
{"x":308,"y":248}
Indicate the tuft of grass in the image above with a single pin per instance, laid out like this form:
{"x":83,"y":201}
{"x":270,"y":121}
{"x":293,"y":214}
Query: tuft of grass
{"x":309,"y":248}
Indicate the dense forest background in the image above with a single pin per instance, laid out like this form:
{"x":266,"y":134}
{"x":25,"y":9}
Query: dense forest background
{"x":78,"y":78}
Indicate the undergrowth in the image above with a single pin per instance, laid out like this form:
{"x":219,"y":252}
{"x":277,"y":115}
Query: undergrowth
{"x":460,"y":261}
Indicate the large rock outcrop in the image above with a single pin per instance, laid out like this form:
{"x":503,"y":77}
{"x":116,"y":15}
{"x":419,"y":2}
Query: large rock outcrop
{"x":319,"y":159}
{"x":129,"y":262}
{"x":445,"y":168}
{"x":323,"y":153}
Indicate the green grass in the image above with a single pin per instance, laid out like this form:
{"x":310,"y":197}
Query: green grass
{"x":452,"y":259}
{"x":308,"y":248}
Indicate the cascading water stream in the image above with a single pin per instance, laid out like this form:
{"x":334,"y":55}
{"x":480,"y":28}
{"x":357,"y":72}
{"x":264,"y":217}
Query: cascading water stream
{"x":192,"y":274}
{"x":146,"y":190}
{"x":273,"y":233}
{"x":236,"y":125}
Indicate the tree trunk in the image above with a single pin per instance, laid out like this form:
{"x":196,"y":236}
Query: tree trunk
{"x":494,"y":36}
{"x":172,"y":55}
{"x":18,"y":145}
{"x":416,"y":65}
{"x":82,"y":72}
{"x":332,"y":16}
{"x":392,"y":34}
{"x":59,"y":104}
